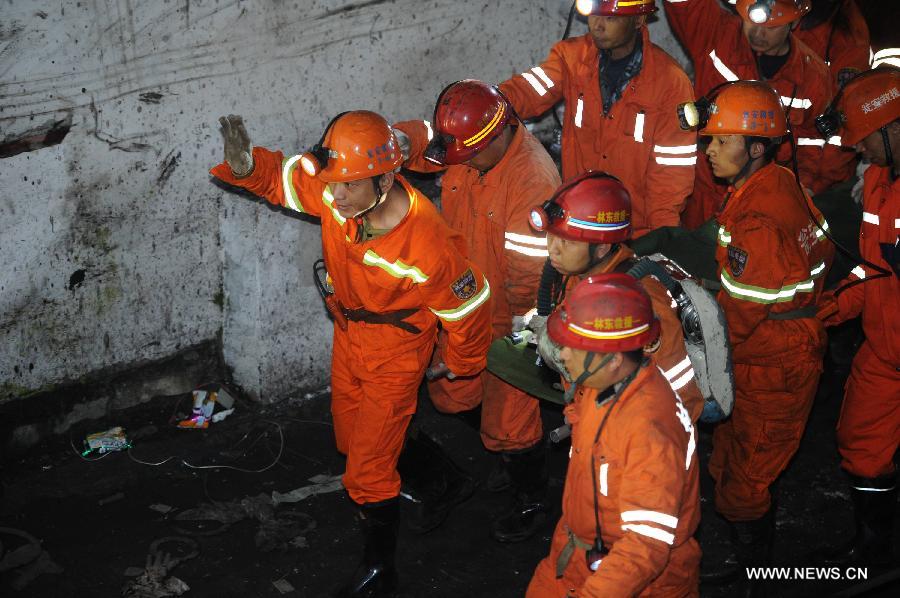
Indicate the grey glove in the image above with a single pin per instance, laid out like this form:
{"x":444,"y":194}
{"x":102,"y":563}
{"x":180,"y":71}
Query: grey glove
{"x":238,"y":150}
{"x":403,"y":142}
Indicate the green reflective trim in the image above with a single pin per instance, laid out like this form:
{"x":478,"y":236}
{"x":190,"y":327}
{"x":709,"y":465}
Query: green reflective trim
{"x":724,"y":237}
{"x":818,"y":270}
{"x":397,"y":269}
{"x":288,"y":166}
{"x":762,"y":294}
{"x":328,"y":200}
{"x":452,"y":315}
{"x":825,"y":227}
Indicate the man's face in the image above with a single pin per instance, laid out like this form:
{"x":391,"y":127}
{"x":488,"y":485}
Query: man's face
{"x":352,"y":197}
{"x":872,"y":146}
{"x":574,"y":362}
{"x":727,"y":155}
{"x":568,"y":257}
{"x":610,"y":33}
{"x":772,"y":41}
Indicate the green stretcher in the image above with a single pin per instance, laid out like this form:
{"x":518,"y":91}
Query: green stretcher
{"x":514,"y":360}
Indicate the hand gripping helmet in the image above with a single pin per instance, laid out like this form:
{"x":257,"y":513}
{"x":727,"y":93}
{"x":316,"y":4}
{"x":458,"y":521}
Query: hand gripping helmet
{"x":773,"y":13}
{"x":606,"y":313}
{"x":594,"y":208}
{"x":868,"y":102}
{"x":750,"y":108}
{"x":615,"y":8}
{"x":469,"y":115}
{"x":356,"y":145}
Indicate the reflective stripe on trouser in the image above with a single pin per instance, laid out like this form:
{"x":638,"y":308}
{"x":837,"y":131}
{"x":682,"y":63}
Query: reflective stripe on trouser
{"x":868,"y":431}
{"x":371,"y":412}
{"x":510,"y":418}
{"x":753,"y":447}
{"x":680,"y":577}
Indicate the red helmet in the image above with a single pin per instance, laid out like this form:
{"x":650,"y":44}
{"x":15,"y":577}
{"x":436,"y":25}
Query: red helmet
{"x":469,"y":115}
{"x":594,"y":208}
{"x":869,"y":101}
{"x":616,"y":8}
{"x":605,"y":313}
{"x":772,"y":13}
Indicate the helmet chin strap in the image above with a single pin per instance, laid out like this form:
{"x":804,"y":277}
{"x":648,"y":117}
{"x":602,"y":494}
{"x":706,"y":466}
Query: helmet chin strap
{"x":375,"y":204}
{"x":888,"y":154}
{"x":587,"y":373}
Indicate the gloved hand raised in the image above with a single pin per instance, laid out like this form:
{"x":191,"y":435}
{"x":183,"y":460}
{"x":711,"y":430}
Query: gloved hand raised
{"x":238,"y":150}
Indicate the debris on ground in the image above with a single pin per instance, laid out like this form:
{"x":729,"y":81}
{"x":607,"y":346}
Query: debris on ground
{"x":27,"y":561}
{"x":110,"y":440}
{"x":283,"y":586}
{"x":321,"y":484}
{"x":205,"y":400}
{"x":154,"y":581}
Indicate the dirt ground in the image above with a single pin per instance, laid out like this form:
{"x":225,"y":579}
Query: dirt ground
{"x":94,"y":518}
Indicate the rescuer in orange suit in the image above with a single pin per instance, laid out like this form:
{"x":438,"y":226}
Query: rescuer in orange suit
{"x":725,"y":47}
{"x":620,"y":92}
{"x":772,"y":259}
{"x":397,"y":270}
{"x":496,"y":172}
{"x":588,"y":222}
{"x":868,"y":116}
{"x":837,"y":32}
{"x":631,"y":498}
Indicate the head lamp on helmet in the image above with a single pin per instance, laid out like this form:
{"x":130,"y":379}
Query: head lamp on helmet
{"x":613,"y":8}
{"x":592,"y":208}
{"x":868,"y":102}
{"x":772,"y":13}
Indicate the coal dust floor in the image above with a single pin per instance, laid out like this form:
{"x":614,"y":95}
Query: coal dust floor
{"x":168,"y":516}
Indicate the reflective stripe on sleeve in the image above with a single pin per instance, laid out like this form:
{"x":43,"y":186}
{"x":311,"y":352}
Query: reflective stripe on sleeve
{"x":810,"y":141}
{"x":452,"y":315}
{"x":720,"y":66}
{"x":652,"y":516}
{"x":579,"y":110}
{"x":397,"y":269}
{"x":604,"y":479}
{"x":650,"y":532}
{"x":526,"y":239}
{"x":835,"y":140}
{"x":724,"y":237}
{"x":543,"y":76}
{"x":676,"y":161}
{"x":428,"y":129}
{"x":287,"y":183}
{"x":801,"y":103}
{"x":535,"y":84}
{"x":871,"y":218}
{"x":639,"y":127}
{"x":887,"y":56}
{"x":526,"y":250}
{"x":675,"y":149}
{"x":762,"y":294}
{"x":859,"y":272}
{"x":328,"y":198}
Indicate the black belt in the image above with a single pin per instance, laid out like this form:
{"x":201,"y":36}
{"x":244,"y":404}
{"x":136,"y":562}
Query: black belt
{"x":392,"y":318}
{"x":795,"y":314}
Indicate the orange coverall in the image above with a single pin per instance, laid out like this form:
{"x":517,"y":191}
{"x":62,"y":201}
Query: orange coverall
{"x":842,"y":42}
{"x":713,"y":38}
{"x":648,"y":497}
{"x":772,"y":261}
{"x":376,"y":368}
{"x":671,"y":357}
{"x":491,"y":211}
{"x":639,"y":141}
{"x":869,"y":428}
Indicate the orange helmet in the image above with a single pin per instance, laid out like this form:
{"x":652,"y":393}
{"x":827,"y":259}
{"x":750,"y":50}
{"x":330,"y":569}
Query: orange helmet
{"x":867,"y":102}
{"x":605,"y":313}
{"x":594,"y":207}
{"x":772,"y":13}
{"x":469,"y":115}
{"x":356,"y":145}
{"x":750,"y":108}
{"x":616,"y":8}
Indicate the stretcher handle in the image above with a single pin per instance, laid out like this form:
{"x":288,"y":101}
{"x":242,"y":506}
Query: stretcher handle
{"x":560,"y":433}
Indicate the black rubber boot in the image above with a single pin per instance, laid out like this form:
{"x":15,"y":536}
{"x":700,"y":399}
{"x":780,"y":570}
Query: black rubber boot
{"x":753,"y":542}
{"x":874,"y":503}
{"x":432,"y":482}
{"x":375,"y":576}
{"x":752,"y":547}
{"x":528,"y":511}
{"x":498,"y":479}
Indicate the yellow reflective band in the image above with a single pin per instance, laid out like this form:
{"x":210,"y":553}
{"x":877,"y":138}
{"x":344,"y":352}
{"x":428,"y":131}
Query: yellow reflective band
{"x":817,"y":270}
{"x":724,"y":237}
{"x":288,"y":166}
{"x":490,"y":126}
{"x":824,"y":227}
{"x":328,"y":200}
{"x":762,"y":294}
{"x":596,"y":334}
{"x":633,"y":2}
{"x":453,"y":315}
{"x":396,"y":269}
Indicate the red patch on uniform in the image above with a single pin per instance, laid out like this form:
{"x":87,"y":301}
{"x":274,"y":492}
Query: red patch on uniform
{"x":465,"y":286}
{"x":737,"y":260}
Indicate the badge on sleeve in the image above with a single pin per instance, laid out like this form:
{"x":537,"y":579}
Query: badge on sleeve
{"x":465,"y":286}
{"x":737,"y":260}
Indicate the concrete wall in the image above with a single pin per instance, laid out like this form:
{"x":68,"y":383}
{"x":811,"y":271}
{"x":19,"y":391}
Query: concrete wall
{"x":116,"y":248}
